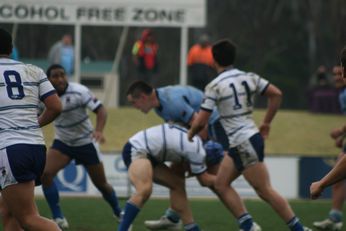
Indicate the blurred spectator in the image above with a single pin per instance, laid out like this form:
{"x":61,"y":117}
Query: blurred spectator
{"x":62,"y":52}
{"x":145,"y":57}
{"x":200,"y":63}
{"x":320,"y":77}
{"x":322,"y":96}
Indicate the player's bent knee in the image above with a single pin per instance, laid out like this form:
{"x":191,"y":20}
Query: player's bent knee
{"x":47,"y":179}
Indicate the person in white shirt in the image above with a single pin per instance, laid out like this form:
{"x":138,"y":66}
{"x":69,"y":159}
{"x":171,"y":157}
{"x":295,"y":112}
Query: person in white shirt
{"x":22,"y":147}
{"x":145,"y":155}
{"x":233,"y":92}
{"x":76,"y":139}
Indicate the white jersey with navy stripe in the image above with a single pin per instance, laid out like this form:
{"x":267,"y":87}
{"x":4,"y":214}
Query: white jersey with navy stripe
{"x":22,"y":86}
{"x":233,"y":92}
{"x":168,"y":142}
{"x":73,"y":126}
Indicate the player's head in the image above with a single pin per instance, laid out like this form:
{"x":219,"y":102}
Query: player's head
{"x":224,"y":52}
{"x":214,"y":152}
{"x":5,"y":42}
{"x":67,"y":39}
{"x":343,"y":61}
{"x":57,"y":76}
{"x":139,"y":95}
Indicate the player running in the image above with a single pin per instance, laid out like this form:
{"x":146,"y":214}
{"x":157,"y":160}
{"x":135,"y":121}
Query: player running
{"x":232,"y":92}
{"x":76,"y":139}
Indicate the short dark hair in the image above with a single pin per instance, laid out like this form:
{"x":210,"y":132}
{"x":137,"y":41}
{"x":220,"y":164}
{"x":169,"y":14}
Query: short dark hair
{"x":224,"y":52}
{"x":343,"y":57}
{"x":138,"y":87}
{"x":5,"y":42}
{"x":53,"y":67}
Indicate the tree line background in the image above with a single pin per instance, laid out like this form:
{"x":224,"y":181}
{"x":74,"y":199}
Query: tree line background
{"x":283,"y":41}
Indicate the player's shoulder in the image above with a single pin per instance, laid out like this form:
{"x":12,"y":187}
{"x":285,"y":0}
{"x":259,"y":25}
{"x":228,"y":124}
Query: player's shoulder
{"x":78,"y":87}
{"x":33,"y":68}
{"x":32,"y":72}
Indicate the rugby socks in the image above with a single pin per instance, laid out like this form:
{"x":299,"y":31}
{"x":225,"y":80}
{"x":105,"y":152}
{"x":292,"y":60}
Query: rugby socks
{"x":295,"y":225}
{"x":112,"y":200}
{"x":245,"y":222}
{"x":335,"y":215}
{"x":191,"y":227}
{"x":172,"y":215}
{"x":130,"y":213}
{"x":52,"y":196}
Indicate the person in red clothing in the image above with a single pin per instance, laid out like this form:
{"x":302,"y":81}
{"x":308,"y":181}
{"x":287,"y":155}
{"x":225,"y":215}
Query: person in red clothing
{"x":200,"y":63}
{"x":145,"y":56}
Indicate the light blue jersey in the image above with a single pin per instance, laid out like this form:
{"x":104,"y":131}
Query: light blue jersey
{"x":179,"y":103}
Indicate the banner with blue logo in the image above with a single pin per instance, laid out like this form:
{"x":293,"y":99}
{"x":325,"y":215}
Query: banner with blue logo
{"x":73,"y":178}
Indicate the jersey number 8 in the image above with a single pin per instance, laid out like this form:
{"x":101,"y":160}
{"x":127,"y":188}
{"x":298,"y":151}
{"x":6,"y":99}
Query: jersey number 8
{"x":12,"y":85}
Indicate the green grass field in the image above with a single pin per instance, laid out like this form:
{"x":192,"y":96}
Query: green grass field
{"x":292,"y":133}
{"x":93,"y":214}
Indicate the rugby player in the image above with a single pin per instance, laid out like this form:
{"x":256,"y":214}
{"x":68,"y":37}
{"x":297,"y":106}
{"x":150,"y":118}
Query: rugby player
{"x":22,"y":147}
{"x":232,"y":92}
{"x":76,"y":139}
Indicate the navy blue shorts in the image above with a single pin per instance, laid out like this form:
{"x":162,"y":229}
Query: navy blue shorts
{"x":85,"y":154}
{"x":217,"y":133}
{"x":127,"y":158}
{"x":248,"y":153}
{"x":22,"y":163}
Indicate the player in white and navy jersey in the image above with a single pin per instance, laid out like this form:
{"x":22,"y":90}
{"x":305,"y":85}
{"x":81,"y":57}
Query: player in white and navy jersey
{"x":179,"y":104}
{"x":232,"y":92}
{"x":145,"y":154}
{"x":75,"y":139}
{"x":22,"y":147}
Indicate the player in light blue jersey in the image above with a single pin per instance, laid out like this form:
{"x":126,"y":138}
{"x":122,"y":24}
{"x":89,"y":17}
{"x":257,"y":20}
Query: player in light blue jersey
{"x":76,"y":139}
{"x":334,"y":220}
{"x":145,"y":154}
{"x":181,"y":104}
{"x":232,"y":92}
{"x":22,"y":147}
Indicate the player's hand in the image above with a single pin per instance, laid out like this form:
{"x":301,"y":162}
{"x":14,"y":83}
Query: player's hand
{"x":335,"y":133}
{"x":98,"y":137}
{"x":264,"y":130}
{"x":190,"y":135}
{"x":315,"y":190}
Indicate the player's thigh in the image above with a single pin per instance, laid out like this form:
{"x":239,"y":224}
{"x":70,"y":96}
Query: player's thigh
{"x":141,"y":174}
{"x":180,"y":168}
{"x":257,"y":175}
{"x":55,"y":161}
{"x":96,"y":173}
{"x":227,"y":171}
{"x":19,"y":199}
{"x":165,"y":176}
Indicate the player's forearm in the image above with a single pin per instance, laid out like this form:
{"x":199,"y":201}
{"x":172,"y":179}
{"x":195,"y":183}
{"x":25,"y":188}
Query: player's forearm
{"x":52,"y":110}
{"x":273,"y":106}
{"x":337,"y":174}
{"x":47,"y":117}
{"x":101,"y":118}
